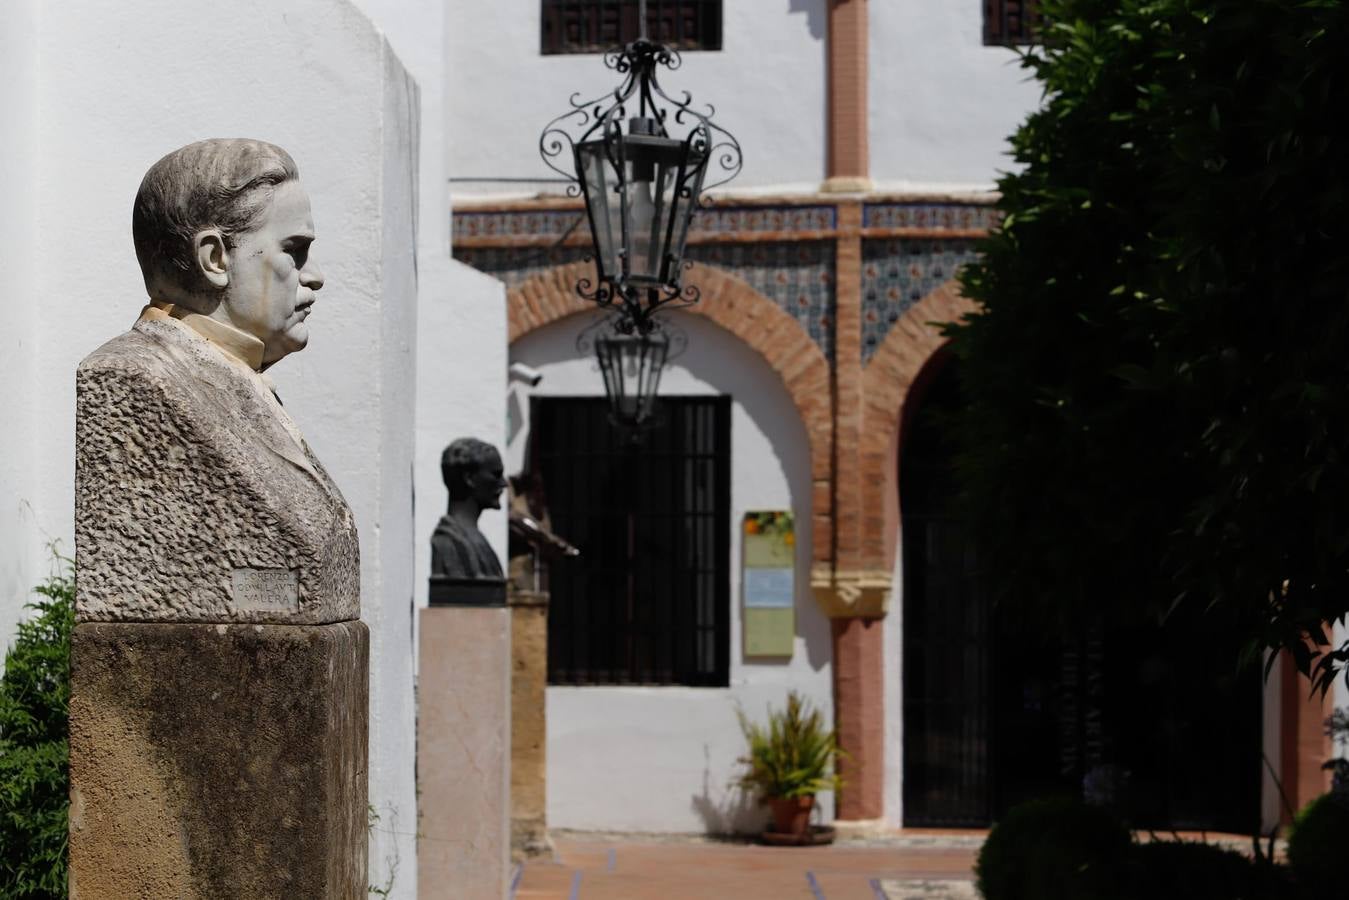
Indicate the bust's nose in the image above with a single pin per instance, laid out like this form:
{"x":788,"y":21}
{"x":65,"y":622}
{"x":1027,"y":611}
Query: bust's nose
{"x":311,"y":276}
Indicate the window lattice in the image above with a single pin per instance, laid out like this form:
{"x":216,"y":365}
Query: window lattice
{"x":593,"y":26}
{"x":648,"y":600}
{"x":1010,"y":22}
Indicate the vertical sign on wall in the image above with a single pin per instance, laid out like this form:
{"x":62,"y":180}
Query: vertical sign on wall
{"x":769,"y":587}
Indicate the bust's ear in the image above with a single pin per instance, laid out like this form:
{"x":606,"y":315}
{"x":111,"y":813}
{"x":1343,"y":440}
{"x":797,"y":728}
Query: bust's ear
{"x":212,"y":257}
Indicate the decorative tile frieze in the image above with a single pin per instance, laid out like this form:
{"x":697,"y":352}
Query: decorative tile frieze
{"x":514,"y":265}
{"x":518,"y":223}
{"x":719,"y":219}
{"x":561,"y":224}
{"x":796,"y":275}
{"x":898,"y":273}
{"x":932,"y":216}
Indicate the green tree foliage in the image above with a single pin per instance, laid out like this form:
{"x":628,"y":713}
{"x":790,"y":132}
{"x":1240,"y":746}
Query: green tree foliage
{"x":34,"y":778}
{"x":1158,"y":380}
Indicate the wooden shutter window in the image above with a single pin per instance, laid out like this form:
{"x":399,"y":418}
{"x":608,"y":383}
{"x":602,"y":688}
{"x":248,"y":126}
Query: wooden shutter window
{"x":594,"y":26}
{"x":1010,"y":22}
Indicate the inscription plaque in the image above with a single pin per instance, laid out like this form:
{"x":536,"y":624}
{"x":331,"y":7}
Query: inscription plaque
{"x":266,"y":590}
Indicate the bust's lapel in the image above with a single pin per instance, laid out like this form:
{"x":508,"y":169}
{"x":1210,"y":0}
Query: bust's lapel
{"x":244,"y":403}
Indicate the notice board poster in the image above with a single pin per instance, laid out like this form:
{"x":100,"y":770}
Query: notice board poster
{"x":769,"y":588}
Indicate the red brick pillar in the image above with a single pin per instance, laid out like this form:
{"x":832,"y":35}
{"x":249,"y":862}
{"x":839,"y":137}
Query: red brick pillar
{"x":852,"y":598}
{"x":1303,"y":743}
{"x":859,"y":716}
{"x":848,"y":165}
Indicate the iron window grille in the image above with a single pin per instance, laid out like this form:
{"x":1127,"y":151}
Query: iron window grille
{"x":594,"y":26}
{"x":1012,"y":22}
{"x":648,"y":600}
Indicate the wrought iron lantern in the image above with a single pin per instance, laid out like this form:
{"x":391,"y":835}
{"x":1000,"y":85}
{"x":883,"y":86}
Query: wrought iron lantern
{"x":640,"y":183}
{"x":631,"y":363}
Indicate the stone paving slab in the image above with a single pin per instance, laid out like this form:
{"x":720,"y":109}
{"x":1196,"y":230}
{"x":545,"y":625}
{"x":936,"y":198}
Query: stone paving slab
{"x":629,"y":867}
{"x":929,"y":889}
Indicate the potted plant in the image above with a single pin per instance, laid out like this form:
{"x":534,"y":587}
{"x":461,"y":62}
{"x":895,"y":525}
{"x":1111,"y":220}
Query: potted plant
{"x":790,"y":760}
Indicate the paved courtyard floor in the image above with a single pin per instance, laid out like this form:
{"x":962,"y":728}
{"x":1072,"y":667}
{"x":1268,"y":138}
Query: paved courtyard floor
{"x":902,"y":867}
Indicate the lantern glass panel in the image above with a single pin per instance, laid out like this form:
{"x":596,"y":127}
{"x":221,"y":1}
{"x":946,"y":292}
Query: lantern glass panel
{"x":695,"y":169}
{"x":603,"y":202}
{"x":631,"y":366}
{"x":657,"y":214}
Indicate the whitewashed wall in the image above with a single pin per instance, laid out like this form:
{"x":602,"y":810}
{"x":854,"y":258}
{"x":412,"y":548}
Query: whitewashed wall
{"x":22,"y":526}
{"x":941,"y":104}
{"x":111,"y":91}
{"x":767,"y":84}
{"x":662,"y":758}
{"x":461,"y":334}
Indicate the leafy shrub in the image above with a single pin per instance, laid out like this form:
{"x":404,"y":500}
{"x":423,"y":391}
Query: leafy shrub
{"x":34,"y":776}
{"x":1054,"y":849}
{"x":1191,"y":870}
{"x":1317,"y":844}
{"x":1169,"y":274}
{"x":793,"y":756}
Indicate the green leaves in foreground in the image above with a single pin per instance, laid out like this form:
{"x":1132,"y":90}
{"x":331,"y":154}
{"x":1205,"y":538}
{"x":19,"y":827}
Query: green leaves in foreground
{"x":34,"y":753}
{"x":1158,"y":377}
{"x":793,"y":756}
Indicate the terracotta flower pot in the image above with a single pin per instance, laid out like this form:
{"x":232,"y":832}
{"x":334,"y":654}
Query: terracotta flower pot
{"x":791,"y":815}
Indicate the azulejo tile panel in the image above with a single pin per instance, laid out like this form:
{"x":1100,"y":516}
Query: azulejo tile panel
{"x":518,"y":223}
{"x":896,"y":274}
{"x":715,"y":219}
{"x":514,"y":265}
{"x":718,"y":219}
{"x":798,"y":276}
{"x":936,"y":216}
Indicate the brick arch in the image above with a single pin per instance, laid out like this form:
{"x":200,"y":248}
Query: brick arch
{"x":886,"y":384}
{"x":756,"y":320}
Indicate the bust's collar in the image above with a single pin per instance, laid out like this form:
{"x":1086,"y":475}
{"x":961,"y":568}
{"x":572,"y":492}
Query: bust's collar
{"x":240,"y":345}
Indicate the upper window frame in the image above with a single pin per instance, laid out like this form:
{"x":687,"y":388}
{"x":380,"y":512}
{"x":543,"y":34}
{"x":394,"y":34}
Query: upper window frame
{"x":614,"y":23}
{"x":1012,"y":23}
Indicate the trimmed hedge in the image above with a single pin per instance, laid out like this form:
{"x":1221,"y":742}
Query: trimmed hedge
{"x":1191,"y":870}
{"x":1318,"y":846}
{"x":1054,"y":849}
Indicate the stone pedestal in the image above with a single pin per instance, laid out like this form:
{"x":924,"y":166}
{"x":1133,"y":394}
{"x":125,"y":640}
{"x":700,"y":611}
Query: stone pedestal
{"x":463,"y":752}
{"x":215,"y":761}
{"x":529,"y":723}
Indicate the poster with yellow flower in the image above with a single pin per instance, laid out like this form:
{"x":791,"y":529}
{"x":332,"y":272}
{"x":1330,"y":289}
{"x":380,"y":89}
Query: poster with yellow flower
{"x":769,"y":589}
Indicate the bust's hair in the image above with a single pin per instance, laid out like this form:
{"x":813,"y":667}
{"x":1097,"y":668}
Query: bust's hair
{"x":461,"y":458}
{"x":223,"y":183}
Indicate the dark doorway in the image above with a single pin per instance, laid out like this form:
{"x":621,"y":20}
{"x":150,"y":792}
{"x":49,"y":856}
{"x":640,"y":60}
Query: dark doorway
{"x":997,"y":712}
{"x":648,"y":599}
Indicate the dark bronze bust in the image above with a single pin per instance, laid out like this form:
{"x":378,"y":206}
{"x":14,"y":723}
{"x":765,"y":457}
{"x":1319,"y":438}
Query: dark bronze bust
{"x":475,"y":478}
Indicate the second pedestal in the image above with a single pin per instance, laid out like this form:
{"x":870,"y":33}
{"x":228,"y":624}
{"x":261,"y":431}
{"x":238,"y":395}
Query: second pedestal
{"x":463,"y":752}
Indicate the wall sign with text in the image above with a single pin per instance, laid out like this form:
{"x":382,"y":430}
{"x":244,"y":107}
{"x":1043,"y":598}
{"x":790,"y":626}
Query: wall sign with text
{"x":769,"y":587}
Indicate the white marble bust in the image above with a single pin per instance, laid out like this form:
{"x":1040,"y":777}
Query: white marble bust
{"x":197,"y":498}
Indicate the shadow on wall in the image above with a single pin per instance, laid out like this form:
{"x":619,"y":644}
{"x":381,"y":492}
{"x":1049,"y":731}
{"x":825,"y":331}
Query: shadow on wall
{"x":817,"y":21}
{"x":728,"y":810}
{"x":816,"y":15}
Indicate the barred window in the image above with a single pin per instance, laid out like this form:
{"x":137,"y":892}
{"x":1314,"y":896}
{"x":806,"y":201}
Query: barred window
{"x":1010,"y":22}
{"x":648,"y":600}
{"x":593,"y":26}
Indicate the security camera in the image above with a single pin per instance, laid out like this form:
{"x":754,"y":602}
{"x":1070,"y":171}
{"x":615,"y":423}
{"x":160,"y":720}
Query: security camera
{"x":528,"y":374}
